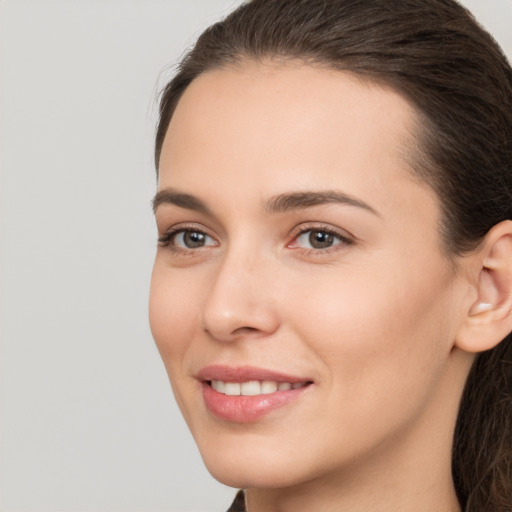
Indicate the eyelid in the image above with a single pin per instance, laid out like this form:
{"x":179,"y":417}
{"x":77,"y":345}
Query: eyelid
{"x":166,"y":238}
{"x":321,"y":226}
{"x":344,"y":236}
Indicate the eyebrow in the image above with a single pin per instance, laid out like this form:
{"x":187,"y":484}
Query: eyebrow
{"x":188,"y":201}
{"x":303,"y":200}
{"x":277,"y":204}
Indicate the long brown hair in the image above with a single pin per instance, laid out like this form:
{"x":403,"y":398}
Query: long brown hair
{"x":434,"y":53}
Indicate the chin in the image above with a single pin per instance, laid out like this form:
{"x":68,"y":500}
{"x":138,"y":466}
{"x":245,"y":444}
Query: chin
{"x":254,"y":462}
{"x":244,"y":474}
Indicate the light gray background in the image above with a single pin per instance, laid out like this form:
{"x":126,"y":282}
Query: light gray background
{"x":88,"y":422}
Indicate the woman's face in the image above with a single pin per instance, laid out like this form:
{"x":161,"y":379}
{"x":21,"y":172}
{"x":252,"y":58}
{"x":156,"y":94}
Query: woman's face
{"x":300,"y":300}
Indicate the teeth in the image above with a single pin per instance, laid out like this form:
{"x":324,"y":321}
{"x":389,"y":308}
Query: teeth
{"x":218,"y":385}
{"x":250,"y":388}
{"x":232,"y":388}
{"x":267,"y":387}
{"x":253,"y":387}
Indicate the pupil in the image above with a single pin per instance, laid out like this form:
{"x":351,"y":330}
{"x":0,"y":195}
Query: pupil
{"x":193,"y":239}
{"x":320,"y":239}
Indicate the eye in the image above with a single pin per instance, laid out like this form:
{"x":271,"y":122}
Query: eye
{"x":186,"y":239}
{"x":316,"y":239}
{"x":192,"y":239}
{"x":319,"y":239}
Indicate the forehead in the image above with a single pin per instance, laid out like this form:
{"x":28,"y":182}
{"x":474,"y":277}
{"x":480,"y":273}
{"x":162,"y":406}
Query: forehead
{"x":263,"y":128}
{"x":263,"y":106}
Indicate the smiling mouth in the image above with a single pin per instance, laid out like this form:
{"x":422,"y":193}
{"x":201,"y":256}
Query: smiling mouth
{"x":248,"y":401}
{"x":254,"y":387}
{"x":246,"y":394}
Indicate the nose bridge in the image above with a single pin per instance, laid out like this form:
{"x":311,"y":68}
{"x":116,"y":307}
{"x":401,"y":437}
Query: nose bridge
{"x":239,"y":301}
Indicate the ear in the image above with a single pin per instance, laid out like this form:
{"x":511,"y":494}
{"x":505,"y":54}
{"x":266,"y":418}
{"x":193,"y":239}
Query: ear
{"x":489,"y":318}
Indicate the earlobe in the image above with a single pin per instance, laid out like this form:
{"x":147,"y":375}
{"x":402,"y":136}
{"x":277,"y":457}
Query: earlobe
{"x":489,"y":318}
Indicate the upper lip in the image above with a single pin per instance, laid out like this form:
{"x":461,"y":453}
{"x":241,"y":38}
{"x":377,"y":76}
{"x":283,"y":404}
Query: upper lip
{"x":245,"y":374}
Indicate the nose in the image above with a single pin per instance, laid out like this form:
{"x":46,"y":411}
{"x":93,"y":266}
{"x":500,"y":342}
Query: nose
{"x":240,"y":302}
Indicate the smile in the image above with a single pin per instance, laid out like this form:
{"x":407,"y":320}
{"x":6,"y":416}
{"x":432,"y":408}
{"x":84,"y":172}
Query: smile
{"x":247,"y":394}
{"x":253,"y":387}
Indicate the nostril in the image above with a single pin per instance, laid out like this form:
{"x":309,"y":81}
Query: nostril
{"x":247,"y":331}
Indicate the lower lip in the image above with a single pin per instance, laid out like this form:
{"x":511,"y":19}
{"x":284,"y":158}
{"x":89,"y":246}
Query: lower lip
{"x":244,"y":409}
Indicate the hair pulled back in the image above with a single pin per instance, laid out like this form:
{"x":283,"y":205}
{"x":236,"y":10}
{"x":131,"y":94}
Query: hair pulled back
{"x":454,"y":73}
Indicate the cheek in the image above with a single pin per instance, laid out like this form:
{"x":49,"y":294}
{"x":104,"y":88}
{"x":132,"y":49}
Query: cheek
{"x":171,"y":308}
{"x":174,"y":323}
{"x":382,"y":338}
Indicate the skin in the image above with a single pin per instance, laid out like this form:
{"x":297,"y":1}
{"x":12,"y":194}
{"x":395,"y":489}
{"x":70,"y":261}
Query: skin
{"x":372,"y":321}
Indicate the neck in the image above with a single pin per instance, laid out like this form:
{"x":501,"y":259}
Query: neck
{"x":391,"y":492}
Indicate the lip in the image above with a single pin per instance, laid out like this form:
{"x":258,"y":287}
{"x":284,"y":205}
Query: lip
{"x":245,"y":409}
{"x":245,"y":373}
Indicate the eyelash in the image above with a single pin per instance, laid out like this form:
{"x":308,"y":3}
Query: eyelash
{"x":343,"y":240}
{"x":166,"y":240}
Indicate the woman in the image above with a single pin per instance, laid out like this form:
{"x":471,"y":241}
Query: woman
{"x":332,"y":290}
